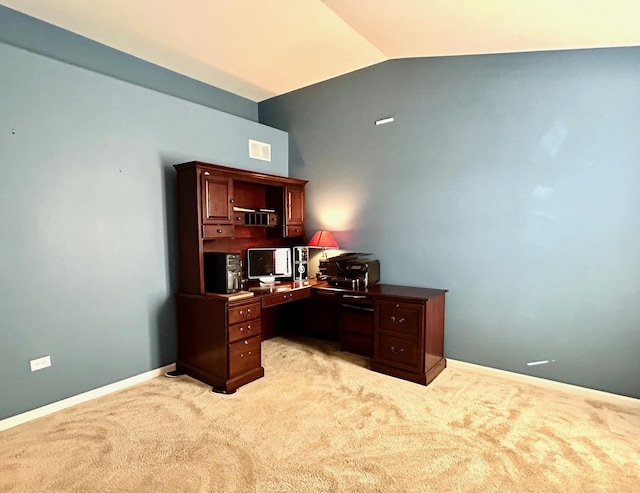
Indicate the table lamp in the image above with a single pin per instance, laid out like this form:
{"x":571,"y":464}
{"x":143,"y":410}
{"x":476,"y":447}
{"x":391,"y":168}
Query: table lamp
{"x":324,"y":240}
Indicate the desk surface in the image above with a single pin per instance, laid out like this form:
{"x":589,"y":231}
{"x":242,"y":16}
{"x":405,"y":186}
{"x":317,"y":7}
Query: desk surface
{"x":387,"y":290}
{"x":410,"y":292}
{"x":373,"y":289}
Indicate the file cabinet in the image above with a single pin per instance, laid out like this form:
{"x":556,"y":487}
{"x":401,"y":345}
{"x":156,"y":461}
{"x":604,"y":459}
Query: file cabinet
{"x":409,"y":337}
{"x":219,"y":341}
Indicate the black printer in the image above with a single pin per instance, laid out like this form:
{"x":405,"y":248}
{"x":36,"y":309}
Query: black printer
{"x":352,"y":270}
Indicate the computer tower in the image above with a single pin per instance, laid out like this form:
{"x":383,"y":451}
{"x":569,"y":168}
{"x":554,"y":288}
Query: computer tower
{"x":300,"y":263}
{"x":222,"y":272}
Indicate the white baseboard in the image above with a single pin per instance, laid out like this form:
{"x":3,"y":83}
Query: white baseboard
{"x":453,"y":364}
{"x":549,"y":384}
{"x":19,"y":419}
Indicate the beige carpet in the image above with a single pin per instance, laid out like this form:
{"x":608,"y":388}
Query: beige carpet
{"x":321,"y":421}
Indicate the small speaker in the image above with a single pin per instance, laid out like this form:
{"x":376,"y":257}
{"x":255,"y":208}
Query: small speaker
{"x":300,"y":263}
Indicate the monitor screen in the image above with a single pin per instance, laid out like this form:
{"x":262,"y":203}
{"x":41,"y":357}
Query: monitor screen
{"x":269,"y":263}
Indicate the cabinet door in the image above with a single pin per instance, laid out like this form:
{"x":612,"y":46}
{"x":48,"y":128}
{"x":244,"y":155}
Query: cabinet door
{"x":217,"y":199}
{"x":294,"y":213}
{"x":295,"y":205}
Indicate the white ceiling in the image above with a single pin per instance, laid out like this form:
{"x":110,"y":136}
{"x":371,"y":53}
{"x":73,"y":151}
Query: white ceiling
{"x":264,"y":48}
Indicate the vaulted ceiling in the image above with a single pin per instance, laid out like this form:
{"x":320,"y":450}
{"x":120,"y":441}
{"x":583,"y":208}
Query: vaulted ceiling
{"x":263,"y":48}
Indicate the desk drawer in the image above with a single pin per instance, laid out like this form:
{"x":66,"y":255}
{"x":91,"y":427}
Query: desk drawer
{"x":398,"y":352}
{"x":285,"y":297}
{"x":243,"y":330}
{"x":217,"y":231}
{"x":291,"y":231}
{"x":400,"y":316}
{"x":244,"y":356}
{"x":243,"y":313}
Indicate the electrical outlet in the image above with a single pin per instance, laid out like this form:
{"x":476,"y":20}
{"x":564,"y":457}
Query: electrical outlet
{"x":40,"y":363}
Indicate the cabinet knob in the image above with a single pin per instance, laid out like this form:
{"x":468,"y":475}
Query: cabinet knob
{"x":246,"y":342}
{"x":231,"y":201}
{"x":206,"y":173}
{"x":248,"y":328}
{"x":218,"y":230}
{"x":397,"y":321}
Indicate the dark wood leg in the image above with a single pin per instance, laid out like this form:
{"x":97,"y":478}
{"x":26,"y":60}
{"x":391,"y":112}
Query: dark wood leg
{"x":174,"y":373}
{"x":222,"y":391}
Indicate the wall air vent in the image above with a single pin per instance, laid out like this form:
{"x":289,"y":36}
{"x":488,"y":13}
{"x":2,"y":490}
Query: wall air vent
{"x":259,"y":150}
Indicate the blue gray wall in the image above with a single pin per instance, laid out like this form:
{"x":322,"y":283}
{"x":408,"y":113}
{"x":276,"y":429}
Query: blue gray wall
{"x":511,"y":180}
{"x":31,"y":34}
{"x":88,"y":243}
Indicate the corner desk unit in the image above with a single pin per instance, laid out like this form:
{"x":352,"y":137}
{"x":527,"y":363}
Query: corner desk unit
{"x":400,"y":328}
{"x":222,"y":209}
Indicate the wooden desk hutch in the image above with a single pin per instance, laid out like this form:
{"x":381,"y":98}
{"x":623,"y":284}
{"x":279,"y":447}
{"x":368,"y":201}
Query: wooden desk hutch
{"x":400,"y":328}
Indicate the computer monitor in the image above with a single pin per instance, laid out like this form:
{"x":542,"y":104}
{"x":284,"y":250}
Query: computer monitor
{"x":269,"y":264}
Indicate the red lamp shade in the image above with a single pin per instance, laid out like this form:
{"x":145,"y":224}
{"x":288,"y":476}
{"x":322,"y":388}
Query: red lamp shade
{"x":323,"y":239}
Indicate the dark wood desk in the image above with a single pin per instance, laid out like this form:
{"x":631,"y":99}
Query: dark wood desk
{"x":219,"y":337}
{"x":400,"y":328}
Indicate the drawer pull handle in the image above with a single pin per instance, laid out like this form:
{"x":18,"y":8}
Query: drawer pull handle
{"x":394,"y":350}
{"x":397,"y":321}
{"x":246,"y":342}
